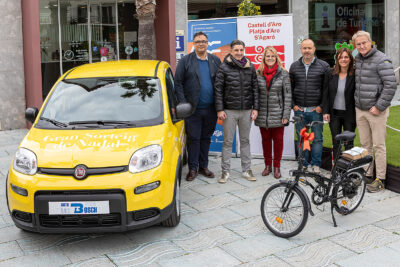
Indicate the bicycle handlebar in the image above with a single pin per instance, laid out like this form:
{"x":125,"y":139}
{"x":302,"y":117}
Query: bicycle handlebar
{"x":301,"y":119}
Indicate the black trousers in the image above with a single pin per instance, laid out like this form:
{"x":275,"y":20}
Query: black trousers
{"x":199,"y":128}
{"x":341,"y":121}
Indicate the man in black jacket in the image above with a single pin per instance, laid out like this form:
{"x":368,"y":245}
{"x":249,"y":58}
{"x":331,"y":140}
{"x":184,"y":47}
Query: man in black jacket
{"x":308,"y":77}
{"x":194,"y":83}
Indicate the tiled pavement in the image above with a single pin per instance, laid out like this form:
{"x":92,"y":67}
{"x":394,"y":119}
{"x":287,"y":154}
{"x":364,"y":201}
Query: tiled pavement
{"x":220,"y":226}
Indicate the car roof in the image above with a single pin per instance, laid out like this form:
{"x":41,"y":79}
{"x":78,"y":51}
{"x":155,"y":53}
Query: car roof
{"x":122,"y":68}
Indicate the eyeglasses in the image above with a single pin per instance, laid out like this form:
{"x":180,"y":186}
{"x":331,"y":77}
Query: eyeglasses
{"x":201,"y":42}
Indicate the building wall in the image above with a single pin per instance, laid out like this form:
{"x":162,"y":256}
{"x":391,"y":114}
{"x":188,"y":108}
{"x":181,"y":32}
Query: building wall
{"x":299,"y":9}
{"x":393,"y":31}
{"x":12,"y":82}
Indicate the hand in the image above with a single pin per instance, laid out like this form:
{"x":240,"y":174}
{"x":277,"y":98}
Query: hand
{"x":318,"y":109}
{"x":254,"y":114}
{"x":221,"y":115}
{"x":374,"y":111}
{"x":296,"y":108}
{"x":285,"y":121}
{"x":173,"y":111}
{"x":327,"y":117}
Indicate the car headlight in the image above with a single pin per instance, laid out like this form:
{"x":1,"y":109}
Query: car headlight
{"x":25,"y":161}
{"x":145,"y":159}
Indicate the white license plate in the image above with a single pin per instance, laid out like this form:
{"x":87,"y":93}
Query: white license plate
{"x":79,"y":207}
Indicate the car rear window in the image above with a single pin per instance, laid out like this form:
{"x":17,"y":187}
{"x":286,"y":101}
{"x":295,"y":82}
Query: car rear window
{"x":119,"y":99}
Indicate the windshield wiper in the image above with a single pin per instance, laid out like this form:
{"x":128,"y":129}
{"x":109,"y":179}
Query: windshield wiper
{"x":116,"y":123}
{"x":54,"y":122}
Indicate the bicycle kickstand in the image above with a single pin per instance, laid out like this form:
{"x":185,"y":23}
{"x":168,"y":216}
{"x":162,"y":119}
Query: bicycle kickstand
{"x":333,"y":217}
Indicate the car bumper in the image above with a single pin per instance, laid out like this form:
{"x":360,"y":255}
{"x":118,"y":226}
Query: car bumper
{"x":118,"y":220}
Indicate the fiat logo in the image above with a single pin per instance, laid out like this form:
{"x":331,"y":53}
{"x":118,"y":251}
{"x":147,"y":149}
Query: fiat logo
{"x":80,"y":172}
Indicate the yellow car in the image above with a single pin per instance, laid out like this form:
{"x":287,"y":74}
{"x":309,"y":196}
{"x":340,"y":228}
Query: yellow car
{"x":104,"y":154}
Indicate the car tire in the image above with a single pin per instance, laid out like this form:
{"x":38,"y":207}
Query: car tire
{"x":185,"y":157}
{"x":175,"y":217}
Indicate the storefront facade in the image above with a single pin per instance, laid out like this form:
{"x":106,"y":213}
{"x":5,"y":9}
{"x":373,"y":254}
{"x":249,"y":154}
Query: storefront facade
{"x":326,"y":22}
{"x":46,"y":38}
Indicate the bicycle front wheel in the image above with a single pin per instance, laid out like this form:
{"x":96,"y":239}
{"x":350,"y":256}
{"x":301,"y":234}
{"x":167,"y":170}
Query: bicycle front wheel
{"x":284,"y":213}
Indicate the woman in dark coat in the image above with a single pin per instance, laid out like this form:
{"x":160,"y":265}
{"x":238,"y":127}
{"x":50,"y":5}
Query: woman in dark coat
{"x":339,"y":107}
{"x":275,"y":97}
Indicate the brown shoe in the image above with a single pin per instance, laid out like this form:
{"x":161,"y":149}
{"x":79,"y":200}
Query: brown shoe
{"x":266,"y":171}
{"x":206,"y":172}
{"x":191,"y":175}
{"x":277,"y":173}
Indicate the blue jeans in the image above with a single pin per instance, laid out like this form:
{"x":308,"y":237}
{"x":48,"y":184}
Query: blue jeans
{"x":316,"y":148}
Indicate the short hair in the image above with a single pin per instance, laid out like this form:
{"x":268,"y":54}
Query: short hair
{"x":198,"y":34}
{"x":359,"y":34}
{"x":237,"y":42}
{"x":308,"y":39}
{"x":336,"y":68}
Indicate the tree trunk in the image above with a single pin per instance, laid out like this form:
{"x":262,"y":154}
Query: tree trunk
{"x":146,"y":12}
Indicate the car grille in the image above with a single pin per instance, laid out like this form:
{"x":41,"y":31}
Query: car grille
{"x":79,"y":192}
{"x":71,"y":221}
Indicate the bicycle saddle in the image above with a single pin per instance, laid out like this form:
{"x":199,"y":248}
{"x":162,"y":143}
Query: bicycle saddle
{"x":345,"y":136}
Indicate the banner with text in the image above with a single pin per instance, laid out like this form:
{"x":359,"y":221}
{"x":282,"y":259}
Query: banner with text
{"x":257,"y":33}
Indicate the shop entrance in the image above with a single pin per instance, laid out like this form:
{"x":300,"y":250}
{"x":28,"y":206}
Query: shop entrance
{"x":76,"y":32}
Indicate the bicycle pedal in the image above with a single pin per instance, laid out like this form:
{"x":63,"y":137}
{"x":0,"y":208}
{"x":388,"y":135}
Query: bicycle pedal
{"x":343,"y":210}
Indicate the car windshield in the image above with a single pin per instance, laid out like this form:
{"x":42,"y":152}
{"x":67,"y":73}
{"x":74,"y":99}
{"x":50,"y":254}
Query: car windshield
{"x":104,"y":102}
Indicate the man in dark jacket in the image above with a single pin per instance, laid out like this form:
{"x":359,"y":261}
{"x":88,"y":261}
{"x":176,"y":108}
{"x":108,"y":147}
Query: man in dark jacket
{"x":236,"y":101}
{"x":308,"y":77}
{"x":375,"y":88}
{"x":194,"y":83}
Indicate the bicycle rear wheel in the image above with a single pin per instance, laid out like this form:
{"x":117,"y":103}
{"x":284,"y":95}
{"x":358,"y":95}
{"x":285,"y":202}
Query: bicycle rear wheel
{"x":288,"y":221}
{"x":350,"y":192}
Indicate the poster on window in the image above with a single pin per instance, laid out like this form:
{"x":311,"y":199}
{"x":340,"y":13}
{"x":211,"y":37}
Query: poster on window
{"x":220,"y":32}
{"x":325,"y":17}
{"x":257,"y":33}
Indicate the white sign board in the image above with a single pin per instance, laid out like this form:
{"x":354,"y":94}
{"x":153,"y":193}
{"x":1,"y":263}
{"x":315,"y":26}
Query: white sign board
{"x":258,"y":33}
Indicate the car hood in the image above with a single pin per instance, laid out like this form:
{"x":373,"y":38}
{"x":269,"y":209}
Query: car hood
{"x":93,"y":148}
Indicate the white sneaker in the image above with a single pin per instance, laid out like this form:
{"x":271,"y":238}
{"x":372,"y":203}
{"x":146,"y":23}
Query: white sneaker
{"x":316,"y":169}
{"x":224,"y":177}
{"x":249,"y":175}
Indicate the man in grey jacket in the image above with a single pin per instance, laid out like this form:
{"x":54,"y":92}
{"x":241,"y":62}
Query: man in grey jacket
{"x":375,"y":88}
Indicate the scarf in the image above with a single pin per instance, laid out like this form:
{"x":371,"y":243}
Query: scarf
{"x":270,"y":73}
{"x":241,"y":62}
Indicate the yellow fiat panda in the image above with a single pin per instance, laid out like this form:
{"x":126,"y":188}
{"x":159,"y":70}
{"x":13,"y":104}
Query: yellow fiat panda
{"x":104,"y":153}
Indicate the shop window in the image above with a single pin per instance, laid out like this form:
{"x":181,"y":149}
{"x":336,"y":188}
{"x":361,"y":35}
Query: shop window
{"x":201,"y":9}
{"x":336,"y":21}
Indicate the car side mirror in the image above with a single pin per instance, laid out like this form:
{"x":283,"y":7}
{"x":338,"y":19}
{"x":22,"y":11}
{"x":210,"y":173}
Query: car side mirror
{"x":31,"y":114}
{"x":183,"y":110}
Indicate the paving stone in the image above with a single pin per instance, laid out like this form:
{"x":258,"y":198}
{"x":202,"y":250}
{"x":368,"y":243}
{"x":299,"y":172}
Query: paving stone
{"x":247,"y":209}
{"x":257,"y":247}
{"x":95,"y":262}
{"x":12,"y":233}
{"x":157,"y":233}
{"x":391,"y":224}
{"x":268,"y":261}
{"x":186,"y":209}
{"x":5,"y":221}
{"x":360,"y":217}
{"x":188,"y":195}
{"x":216,"y":189}
{"x":365,"y":238}
{"x":248,"y":227}
{"x":394,"y":245}
{"x":95,"y":247}
{"x":251,"y":193}
{"x":385,"y":207}
{"x":374,"y":257}
{"x":206,"y":239}
{"x":211,"y":257}
{"x":52,"y":258}
{"x":320,"y":253}
{"x":187,"y":184}
{"x":147,"y":254}
{"x":10,"y":250}
{"x":37,"y":242}
{"x":215,"y":202}
{"x":210,"y":219}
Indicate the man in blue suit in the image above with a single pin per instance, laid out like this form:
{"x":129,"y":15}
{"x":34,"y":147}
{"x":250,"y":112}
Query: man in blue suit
{"x":194,"y":83}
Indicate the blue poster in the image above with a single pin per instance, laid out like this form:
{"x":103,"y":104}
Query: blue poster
{"x":220,"y":32}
